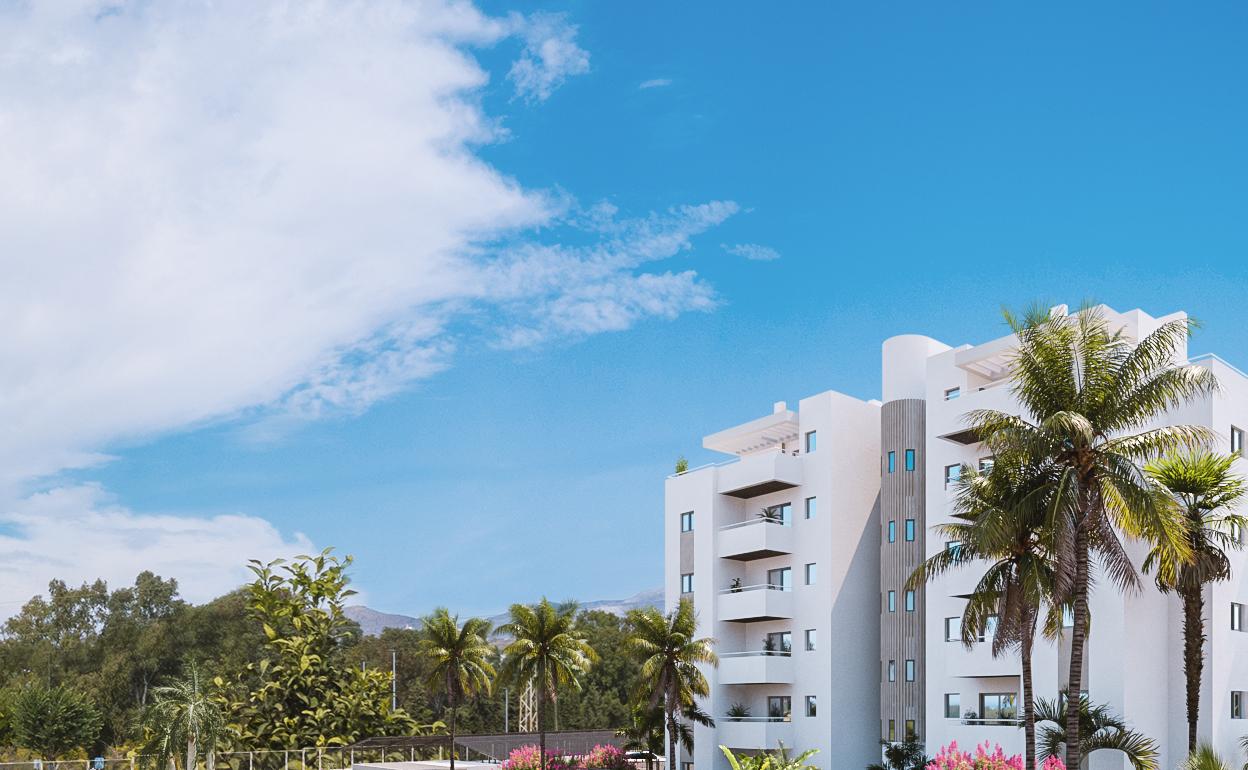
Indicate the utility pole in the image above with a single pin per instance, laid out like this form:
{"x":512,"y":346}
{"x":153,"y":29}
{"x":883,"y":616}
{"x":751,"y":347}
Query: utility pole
{"x":394,"y":680}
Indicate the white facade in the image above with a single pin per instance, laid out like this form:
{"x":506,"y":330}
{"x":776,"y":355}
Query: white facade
{"x":1134,"y":648}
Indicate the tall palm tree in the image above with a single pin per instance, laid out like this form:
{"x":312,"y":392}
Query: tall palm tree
{"x":1100,"y":729}
{"x":645,"y":733}
{"x":1088,"y":396}
{"x":547,"y":651}
{"x":1204,"y":487}
{"x":1001,"y":528}
{"x":671,"y":658}
{"x":460,"y":658}
{"x":183,"y":716}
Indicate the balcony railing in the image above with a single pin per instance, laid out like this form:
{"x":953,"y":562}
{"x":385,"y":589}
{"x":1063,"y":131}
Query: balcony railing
{"x":748,"y":604}
{"x":757,"y":538}
{"x":758,"y":587}
{"x":1012,"y":722}
{"x":757,"y":653}
{"x":788,"y":718}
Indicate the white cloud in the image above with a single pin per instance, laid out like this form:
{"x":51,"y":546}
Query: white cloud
{"x":550,"y":55}
{"x":751,"y":251}
{"x":655,"y":83}
{"x":275,"y":210}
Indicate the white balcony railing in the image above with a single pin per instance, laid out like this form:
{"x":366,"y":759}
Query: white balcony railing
{"x":755,"y":732}
{"x":757,"y":602}
{"x":756,"y":667}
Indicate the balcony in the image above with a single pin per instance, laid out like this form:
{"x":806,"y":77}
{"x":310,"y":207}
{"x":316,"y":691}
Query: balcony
{"x":755,"y":539}
{"x":978,"y":661}
{"x":754,"y":732}
{"x":751,"y":603}
{"x":756,"y":668}
{"x":760,"y":474}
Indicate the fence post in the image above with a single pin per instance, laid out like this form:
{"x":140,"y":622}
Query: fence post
{"x":251,"y":760}
{"x":286,"y":760}
{"x":353,"y":756}
{"x":320,"y":753}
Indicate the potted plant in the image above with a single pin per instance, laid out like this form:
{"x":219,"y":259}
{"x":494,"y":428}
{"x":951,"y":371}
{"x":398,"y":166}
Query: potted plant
{"x":735,"y":585}
{"x":682,"y":465}
{"x":737,"y":712}
{"x":769,"y":644}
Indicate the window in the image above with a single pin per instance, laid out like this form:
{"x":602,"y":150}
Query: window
{"x":1237,"y":704}
{"x":892,"y":671}
{"x":986,"y":463}
{"x":812,"y":507}
{"x":892,"y":729}
{"x":909,"y":530}
{"x":810,"y":705}
{"x":780,"y":707}
{"x":812,"y":572}
{"x":1237,"y":441}
{"x":782,"y":513}
{"x":909,"y":459}
{"x":1068,"y":617}
{"x":686,"y":521}
{"x":909,"y":601}
{"x":1237,"y":617}
{"x":990,"y":629}
{"x":952,"y":474}
{"x":778,"y":641}
{"x":892,"y":531}
{"x":686,"y":766}
{"x":909,"y":670}
{"x":892,"y":601}
{"x":952,"y":393}
{"x":952,"y":545}
{"x":892,"y":461}
{"x":1237,"y":533}
{"x":781,"y":579}
{"x":953,"y":708}
{"x":910,"y":733}
{"x":997,"y":705}
{"x":686,"y":583}
{"x":953,"y":629}
{"x":810,"y":640}
{"x":811,"y":441}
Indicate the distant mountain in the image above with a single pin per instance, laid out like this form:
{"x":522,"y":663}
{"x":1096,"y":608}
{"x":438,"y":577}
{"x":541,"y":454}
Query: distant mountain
{"x":373,"y":622}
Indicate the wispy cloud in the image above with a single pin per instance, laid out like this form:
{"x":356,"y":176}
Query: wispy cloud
{"x":752,"y":251}
{"x":655,"y":83}
{"x":550,"y":55}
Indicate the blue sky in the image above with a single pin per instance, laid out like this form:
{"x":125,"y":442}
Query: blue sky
{"x":916,"y":168}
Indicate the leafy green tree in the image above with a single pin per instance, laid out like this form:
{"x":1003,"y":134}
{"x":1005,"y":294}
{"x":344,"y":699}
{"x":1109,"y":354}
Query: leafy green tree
{"x":604,"y":700}
{"x":183,"y":718}
{"x":645,"y":732}
{"x":53,"y":721}
{"x":1001,"y":529}
{"x":1204,"y":488}
{"x":902,"y":755}
{"x":303,"y":691}
{"x":1088,"y":396}
{"x":547,"y":651}
{"x":1099,"y":728}
{"x":671,"y":658}
{"x":460,"y":658}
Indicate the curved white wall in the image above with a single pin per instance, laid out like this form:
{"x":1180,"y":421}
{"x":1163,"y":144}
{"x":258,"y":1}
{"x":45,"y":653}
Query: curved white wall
{"x":905,"y":365}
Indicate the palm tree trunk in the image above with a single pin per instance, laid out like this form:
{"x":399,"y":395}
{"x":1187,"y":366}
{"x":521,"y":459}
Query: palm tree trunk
{"x":1029,"y":701}
{"x":1074,"y":684}
{"x":671,"y":739}
{"x":451,"y":701}
{"x":541,"y":726}
{"x":1193,"y":656}
{"x":190,"y":752}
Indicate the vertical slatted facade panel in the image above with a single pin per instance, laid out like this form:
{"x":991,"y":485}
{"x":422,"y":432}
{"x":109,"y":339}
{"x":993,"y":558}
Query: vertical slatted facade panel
{"x":902,"y":497}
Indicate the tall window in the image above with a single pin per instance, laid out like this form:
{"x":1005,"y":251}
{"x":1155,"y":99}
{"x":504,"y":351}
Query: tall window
{"x":910,"y":530}
{"x":909,"y":459}
{"x":909,"y":670}
{"x":686,"y":521}
{"x":782,"y":513}
{"x":892,"y":671}
{"x":812,"y":572}
{"x":909,"y":601}
{"x":953,"y":629}
{"x":1237,"y":441}
{"x":1237,"y":617}
{"x":952,"y":474}
{"x":686,"y":583}
{"x":810,"y":705}
{"x":892,"y":729}
{"x":892,"y":601}
{"x":1237,"y":533}
{"x":780,"y":578}
{"x":810,"y":640}
{"x":812,"y":507}
{"x":812,"y":441}
{"x":952,"y":393}
{"x":953,"y":707}
{"x":892,"y":461}
{"x":1237,"y":704}
{"x":997,"y":705}
{"x":892,"y":531}
{"x":778,"y":641}
{"x":780,"y":707}
{"x":910,"y":729}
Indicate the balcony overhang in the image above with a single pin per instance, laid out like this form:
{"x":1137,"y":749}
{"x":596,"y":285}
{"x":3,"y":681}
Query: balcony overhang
{"x":759,"y":474}
{"x":965,"y":437}
{"x":990,"y":360}
{"x":772,"y":431}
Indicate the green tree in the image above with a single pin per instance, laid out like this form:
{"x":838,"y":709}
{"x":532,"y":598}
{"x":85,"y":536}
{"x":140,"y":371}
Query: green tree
{"x":902,"y":755}
{"x":671,"y":658}
{"x":1204,"y":758}
{"x":1099,"y":728}
{"x":460,"y":658}
{"x":645,"y":732}
{"x":1088,"y":395}
{"x":547,"y":651}
{"x":1204,"y":487}
{"x":53,"y":721}
{"x":183,"y":718}
{"x":603,"y":702}
{"x":303,"y":691}
{"x":1000,"y":529}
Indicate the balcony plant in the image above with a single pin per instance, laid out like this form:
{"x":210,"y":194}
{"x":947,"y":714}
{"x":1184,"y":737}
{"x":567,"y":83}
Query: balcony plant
{"x":737,"y":712}
{"x":735,"y":585}
{"x":682,"y":465}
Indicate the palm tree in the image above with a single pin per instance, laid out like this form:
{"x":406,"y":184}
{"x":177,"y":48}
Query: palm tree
{"x":1204,"y":757}
{"x":1203,"y":487}
{"x":183,"y":716}
{"x":1100,"y":729}
{"x":903,"y":755}
{"x":1001,"y":528}
{"x":546,"y":651}
{"x":460,"y":658}
{"x":671,"y":657}
{"x":769,"y":760}
{"x":645,"y":733}
{"x":1088,"y":396}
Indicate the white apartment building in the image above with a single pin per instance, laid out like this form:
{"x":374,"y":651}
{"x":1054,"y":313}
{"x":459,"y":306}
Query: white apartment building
{"x":796,"y":551}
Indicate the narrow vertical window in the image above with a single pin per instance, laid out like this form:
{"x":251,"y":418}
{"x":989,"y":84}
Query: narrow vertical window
{"x":892,"y":601}
{"x":953,"y":705}
{"x":1237,"y":441}
{"x":909,"y":601}
{"x":686,"y":583}
{"x":909,"y":670}
{"x":892,"y":671}
{"x":810,"y":705}
{"x":812,"y":441}
{"x":1237,"y":704}
{"x":952,"y":474}
{"x":810,"y":640}
{"x":953,"y":629}
{"x":811,"y":574}
{"x":910,"y":733}
{"x":909,"y":459}
{"x":892,"y":461}
{"x":892,"y":531}
{"x":812,"y":507}
{"x":1237,"y":617}
{"x":892,"y":729}
{"x":686,"y":521}
{"x":910,"y":530}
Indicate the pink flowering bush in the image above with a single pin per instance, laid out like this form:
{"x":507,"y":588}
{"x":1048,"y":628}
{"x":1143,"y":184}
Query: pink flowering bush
{"x":984,"y":758}
{"x":529,"y":758}
{"x":604,"y":758}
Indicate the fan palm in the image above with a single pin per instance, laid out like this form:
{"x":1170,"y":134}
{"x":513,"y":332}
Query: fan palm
{"x":183,"y":717}
{"x":1088,"y":396}
{"x":547,"y":651}
{"x":460,"y":659}
{"x":1204,"y":757}
{"x":1001,"y":528}
{"x":671,"y":660}
{"x":1099,"y":728}
{"x":1204,"y":487}
{"x":769,"y":760}
{"x":902,"y":755}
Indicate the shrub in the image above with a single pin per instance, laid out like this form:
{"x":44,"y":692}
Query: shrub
{"x":604,"y":758}
{"x":529,"y":758}
{"x":984,"y":758}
